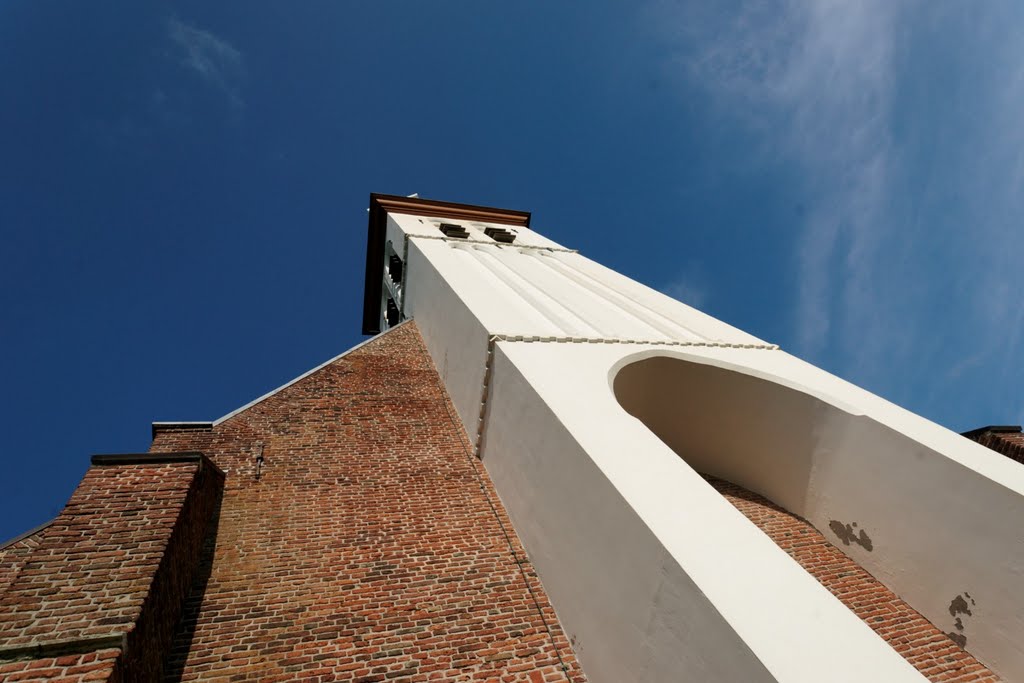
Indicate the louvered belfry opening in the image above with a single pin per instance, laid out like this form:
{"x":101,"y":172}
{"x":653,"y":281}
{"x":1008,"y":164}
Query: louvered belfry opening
{"x":453,"y":230}
{"x":394,"y":316}
{"x":500,"y":235}
{"x":395,"y":268}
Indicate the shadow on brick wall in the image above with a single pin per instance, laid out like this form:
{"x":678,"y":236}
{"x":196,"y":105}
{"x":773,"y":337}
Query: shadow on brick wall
{"x":181,"y":644}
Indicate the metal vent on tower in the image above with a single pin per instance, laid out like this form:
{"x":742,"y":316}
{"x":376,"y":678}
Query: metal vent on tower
{"x":453,"y":230}
{"x":395,"y":268}
{"x":500,"y":235}
{"x":393,"y":316}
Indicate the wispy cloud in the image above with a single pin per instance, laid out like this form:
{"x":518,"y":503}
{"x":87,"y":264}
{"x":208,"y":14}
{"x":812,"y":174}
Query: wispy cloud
{"x":993,"y":189}
{"x":816,"y":78}
{"x":911,"y":169}
{"x":687,"y":290}
{"x":215,"y":60}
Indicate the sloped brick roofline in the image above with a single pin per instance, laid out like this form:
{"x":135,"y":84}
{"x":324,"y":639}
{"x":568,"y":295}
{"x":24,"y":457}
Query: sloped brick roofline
{"x":381,"y":204}
{"x":1004,"y":439}
{"x":21,"y":537}
{"x":178,"y":426}
{"x":371,"y":546}
{"x":994,"y":429}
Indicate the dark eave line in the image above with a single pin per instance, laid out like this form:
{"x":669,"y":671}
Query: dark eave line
{"x":993,"y":429}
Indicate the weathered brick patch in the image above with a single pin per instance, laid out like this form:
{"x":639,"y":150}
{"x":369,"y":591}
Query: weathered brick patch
{"x":922,"y":644}
{"x":367,"y":545}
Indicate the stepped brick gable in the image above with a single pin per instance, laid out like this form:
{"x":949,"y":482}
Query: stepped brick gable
{"x":366,"y":546}
{"x":95,"y":595}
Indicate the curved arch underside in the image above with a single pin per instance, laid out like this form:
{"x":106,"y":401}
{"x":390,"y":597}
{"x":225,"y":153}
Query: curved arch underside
{"x":875,"y":493}
{"x":917,"y":640}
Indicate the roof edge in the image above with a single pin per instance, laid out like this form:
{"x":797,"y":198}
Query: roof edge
{"x":157,"y":427}
{"x":994,"y":429}
{"x":25,"y":534}
{"x":203,"y":425}
{"x":107,"y":459}
{"x":381,"y":205}
{"x":290,"y":382}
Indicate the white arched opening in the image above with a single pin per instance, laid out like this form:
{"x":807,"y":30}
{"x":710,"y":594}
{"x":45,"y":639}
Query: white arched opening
{"x":744,"y":429}
{"x":930,"y":528}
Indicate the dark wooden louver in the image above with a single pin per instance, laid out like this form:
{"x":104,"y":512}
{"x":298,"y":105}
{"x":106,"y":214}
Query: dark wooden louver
{"x":500,"y":235}
{"x":395,"y":268}
{"x":453,"y":230}
{"x":392,"y":315}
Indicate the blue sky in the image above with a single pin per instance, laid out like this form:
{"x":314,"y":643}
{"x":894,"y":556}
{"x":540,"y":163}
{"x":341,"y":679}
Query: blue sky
{"x":183,"y":189}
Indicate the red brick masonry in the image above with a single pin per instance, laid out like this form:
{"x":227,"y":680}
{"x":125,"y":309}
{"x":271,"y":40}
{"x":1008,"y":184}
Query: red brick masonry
{"x":15,"y":553}
{"x":354,"y":539}
{"x":367,"y":546}
{"x":926,"y":647}
{"x":1006,"y":440}
{"x":95,"y":594}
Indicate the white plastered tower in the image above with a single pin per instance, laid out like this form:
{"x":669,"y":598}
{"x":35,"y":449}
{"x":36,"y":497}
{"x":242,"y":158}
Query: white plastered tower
{"x":595,"y":403}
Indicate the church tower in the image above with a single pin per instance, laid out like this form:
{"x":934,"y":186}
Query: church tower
{"x":633,"y":440}
{"x":536,"y":470}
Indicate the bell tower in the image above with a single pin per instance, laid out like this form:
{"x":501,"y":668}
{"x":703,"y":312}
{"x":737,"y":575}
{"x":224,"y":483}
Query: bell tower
{"x":602,"y":409}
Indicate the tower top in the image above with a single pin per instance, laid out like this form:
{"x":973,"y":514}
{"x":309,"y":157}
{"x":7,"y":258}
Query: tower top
{"x":383,"y":204}
{"x":601,"y":408}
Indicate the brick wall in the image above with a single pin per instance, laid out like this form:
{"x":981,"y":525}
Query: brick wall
{"x":371,"y":547}
{"x":925,"y":646}
{"x":149,"y":640}
{"x":102,"y":665}
{"x":15,"y":552}
{"x":1006,"y":440}
{"x":97,"y":595}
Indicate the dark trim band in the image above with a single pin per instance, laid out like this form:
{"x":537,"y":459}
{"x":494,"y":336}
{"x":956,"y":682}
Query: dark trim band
{"x":145,"y":458}
{"x":60,"y":648}
{"x":993,"y":429}
{"x":179,"y":426}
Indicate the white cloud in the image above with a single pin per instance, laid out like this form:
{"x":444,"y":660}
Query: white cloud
{"x":993,"y":188}
{"x":215,"y":60}
{"x":911,"y":169}
{"x":816,"y":79}
{"x":688,"y":291}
